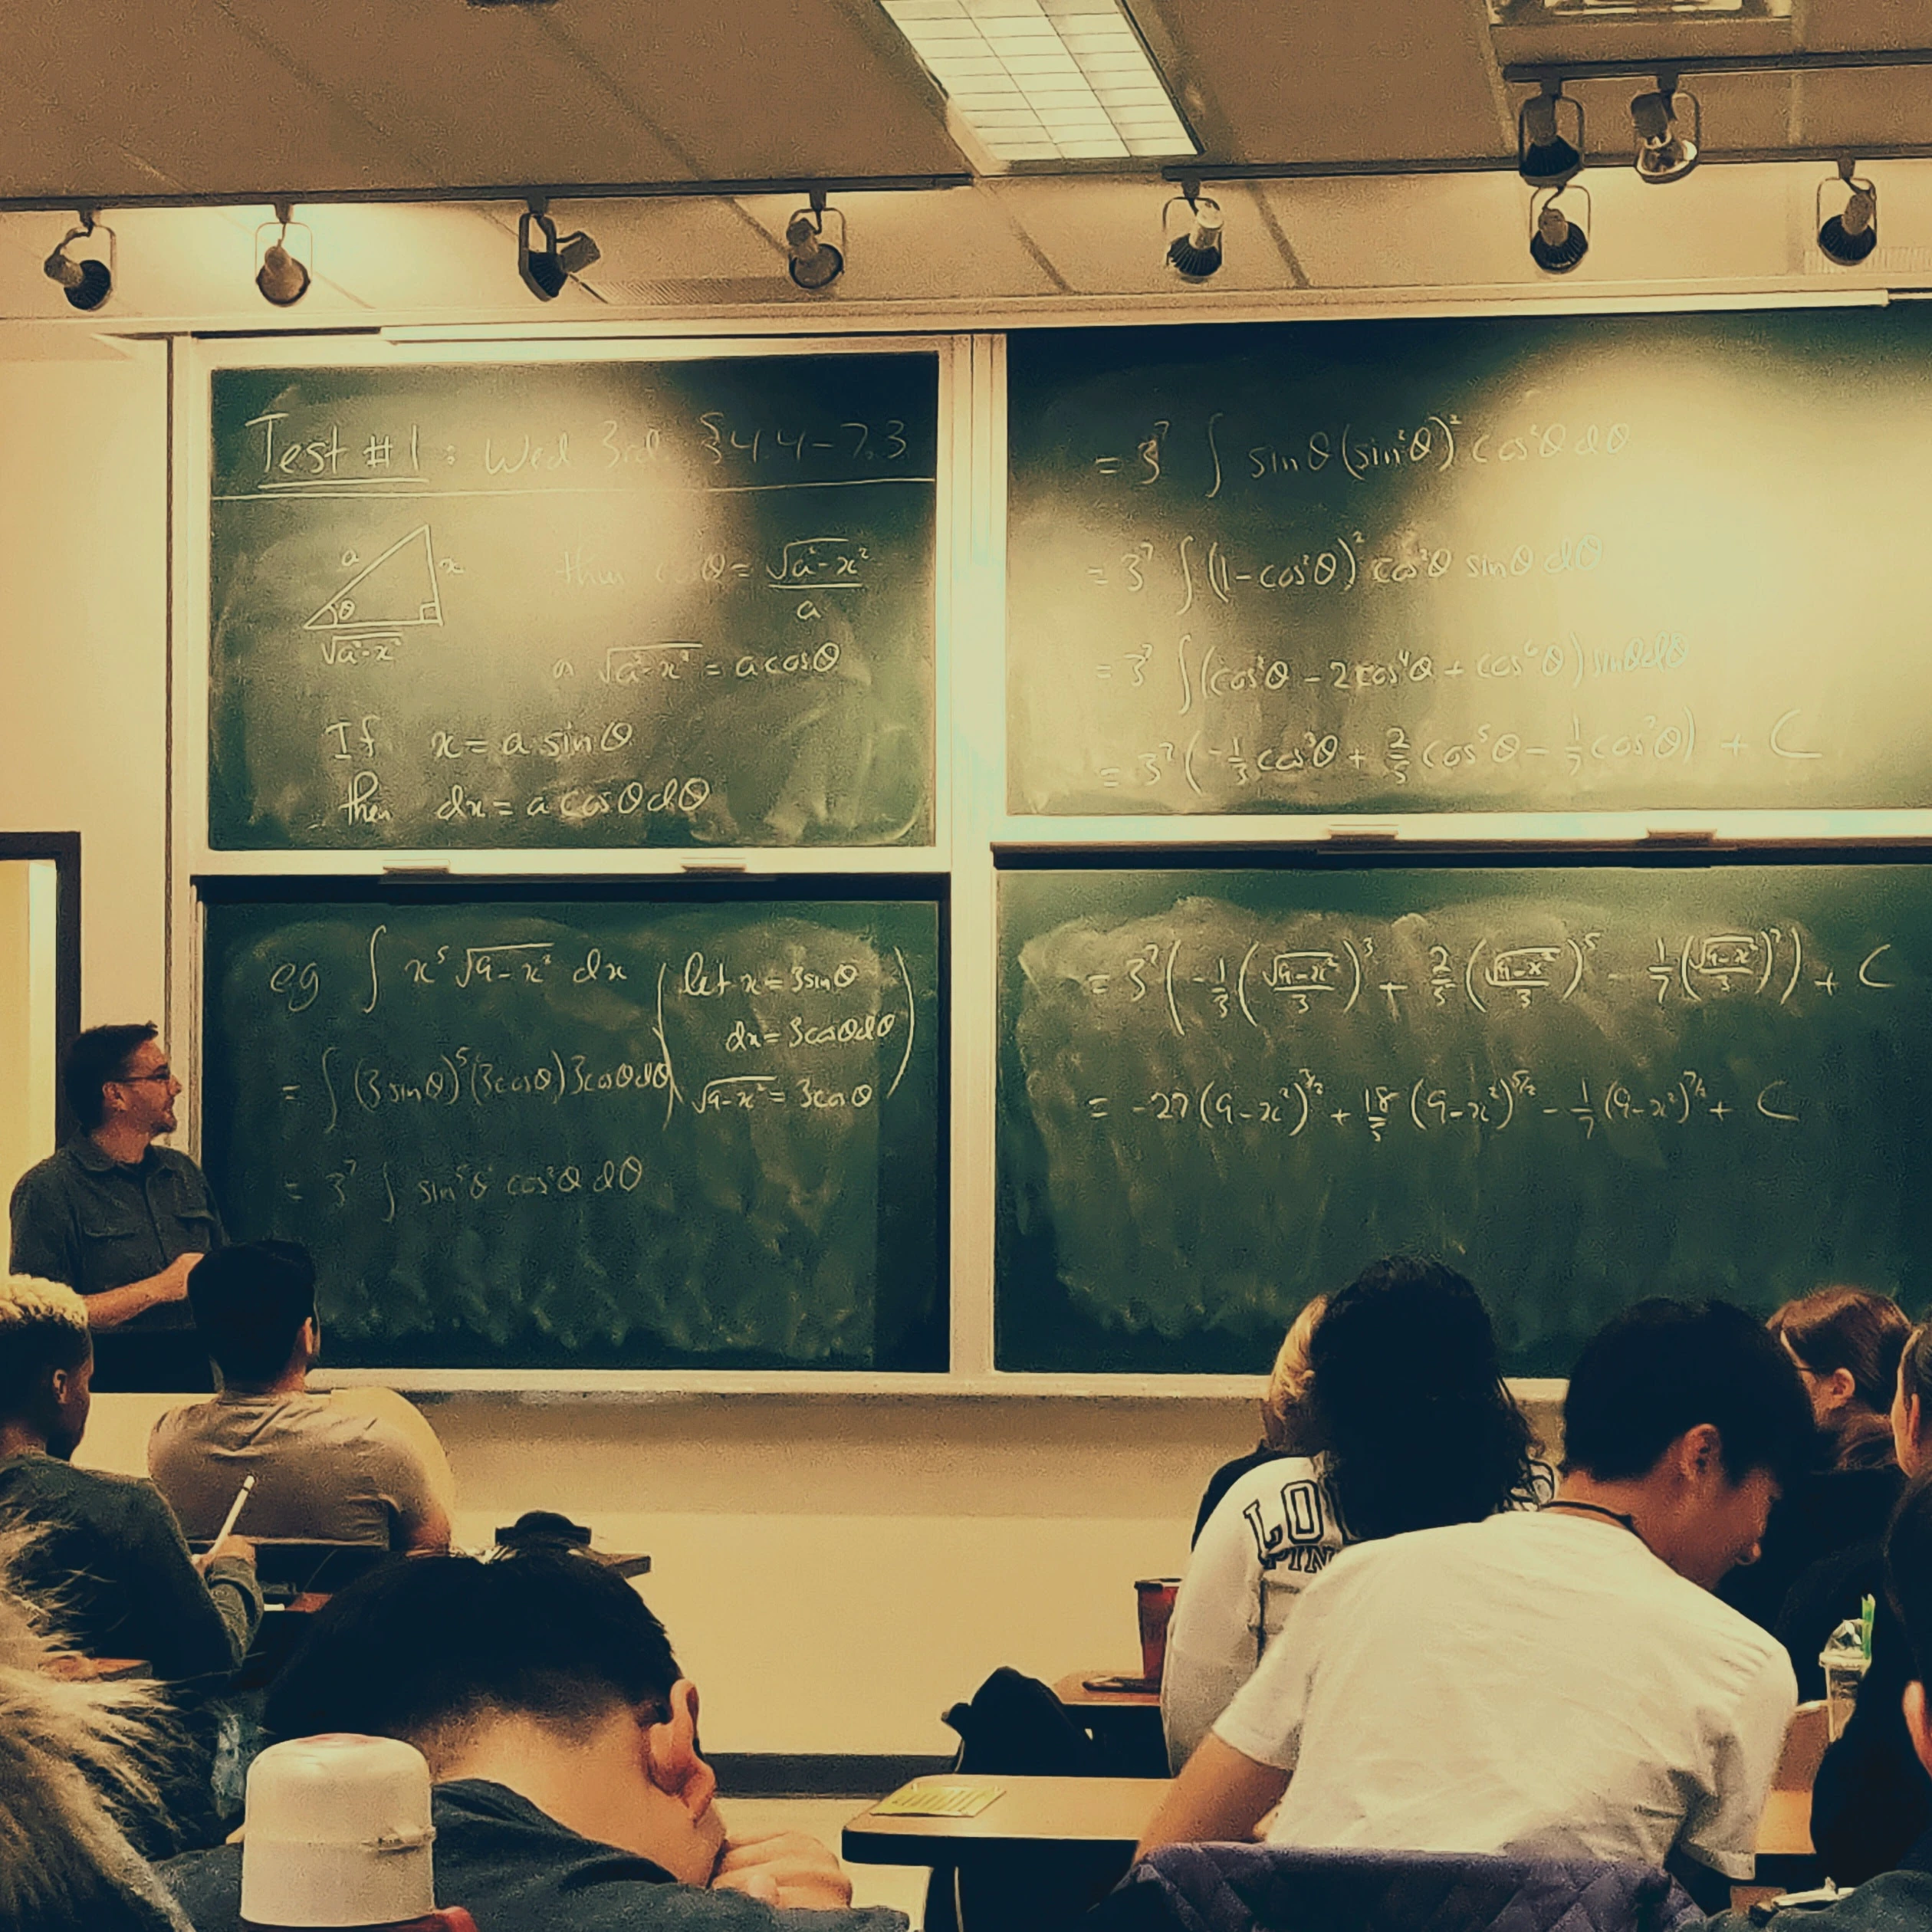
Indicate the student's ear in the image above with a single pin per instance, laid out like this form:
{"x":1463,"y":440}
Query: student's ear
{"x":1918,"y":1721}
{"x":671,"y":1753}
{"x":1699,"y":1452}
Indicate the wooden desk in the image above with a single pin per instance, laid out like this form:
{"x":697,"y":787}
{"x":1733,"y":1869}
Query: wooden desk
{"x":1087,"y":1814}
{"x":1125,"y":1724}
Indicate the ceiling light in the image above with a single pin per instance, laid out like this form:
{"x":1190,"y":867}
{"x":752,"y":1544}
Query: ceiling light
{"x":1664,"y":151}
{"x":1196,"y":254}
{"x":85,"y":281}
{"x":1848,"y":237}
{"x":281,"y":273}
{"x":815,"y":263}
{"x":1544,"y":158}
{"x":1047,"y":80}
{"x":1557,"y":239}
{"x":545,"y":268}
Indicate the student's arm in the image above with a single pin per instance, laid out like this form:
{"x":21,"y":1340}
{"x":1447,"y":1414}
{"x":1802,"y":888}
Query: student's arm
{"x":193,"y":1625}
{"x":1221,"y":1794}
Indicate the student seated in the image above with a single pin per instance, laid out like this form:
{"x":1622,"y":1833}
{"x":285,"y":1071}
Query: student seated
{"x":562,"y":1740}
{"x":109,"y":1556}
{"x":1900,"y":1900}
{"x":1869,"y":1803}
{"x":74,"y":1768}
{"x":1846,"y":1343}
{"x":1554,"y":1684}
{"x":328,"y":1468}
{"x":1288,"y":1425}
{"x":1419,"y":1430}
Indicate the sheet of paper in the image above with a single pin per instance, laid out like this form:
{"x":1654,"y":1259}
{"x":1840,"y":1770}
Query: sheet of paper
{"x":937,"y":1800}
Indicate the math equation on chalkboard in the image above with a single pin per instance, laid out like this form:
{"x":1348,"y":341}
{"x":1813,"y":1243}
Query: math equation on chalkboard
{"x":1491,"y":564}
{"x":681,"y":603}
{"x":589,"y":1134}
{"x":1223,"y":1092}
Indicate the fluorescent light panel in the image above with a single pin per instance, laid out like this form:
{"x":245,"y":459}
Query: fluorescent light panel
{"x":1046,"y":80}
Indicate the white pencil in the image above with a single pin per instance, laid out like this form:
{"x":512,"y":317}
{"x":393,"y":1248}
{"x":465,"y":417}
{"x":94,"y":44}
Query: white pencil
{"x":234,"y":1509}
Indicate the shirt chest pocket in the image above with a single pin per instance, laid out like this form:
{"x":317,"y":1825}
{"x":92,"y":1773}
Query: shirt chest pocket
{"x":117,"y":1244}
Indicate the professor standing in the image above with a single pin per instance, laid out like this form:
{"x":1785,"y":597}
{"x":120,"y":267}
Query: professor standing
{"x":118,"y":1219}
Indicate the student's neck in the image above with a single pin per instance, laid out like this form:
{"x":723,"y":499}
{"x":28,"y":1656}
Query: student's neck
{"x":119,"y":1143}
{"x":590,"y":1779}
{"x":21,"y":1439}
{"x":1621,"y":1507}
{"x":292,"y":1380}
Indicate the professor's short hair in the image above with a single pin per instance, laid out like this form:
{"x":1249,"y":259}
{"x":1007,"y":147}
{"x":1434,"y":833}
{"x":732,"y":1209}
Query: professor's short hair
{"x":1663,"y":1368}
{"x":424,"y":1646}
{"x":97,"y":1056}
{"x":43,"y":1327}
{"x":250,"y":1302}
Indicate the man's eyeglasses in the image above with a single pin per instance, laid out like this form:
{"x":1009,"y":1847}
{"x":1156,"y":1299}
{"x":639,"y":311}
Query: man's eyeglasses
{"x":164,"y":1072}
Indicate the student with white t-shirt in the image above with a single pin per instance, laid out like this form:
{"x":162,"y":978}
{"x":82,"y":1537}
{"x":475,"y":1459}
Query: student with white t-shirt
{"x":1405,"y":1391}
{"x":1558,"y":1684}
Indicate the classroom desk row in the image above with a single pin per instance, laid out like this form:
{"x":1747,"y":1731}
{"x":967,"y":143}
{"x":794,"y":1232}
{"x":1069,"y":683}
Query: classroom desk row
{"x":1095,"y":1816}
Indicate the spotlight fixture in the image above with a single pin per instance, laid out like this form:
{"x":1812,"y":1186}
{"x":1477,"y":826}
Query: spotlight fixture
{"x":1558,"y":238}
{"x":87,"y":281}
{"x":1545,"y":158}
{"x":281,"y":274}
{"x":546,"y":268}
{"x":1196,"y":254}
{"x":1664,"y":151}
{"x":816,"y":263}
{"x":1846,"y":238}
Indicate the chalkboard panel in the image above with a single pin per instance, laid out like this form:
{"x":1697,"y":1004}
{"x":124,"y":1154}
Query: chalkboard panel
{"x":601,"y":1132}
{"x":682,"y":603}
{"x":1223,"y":1091}
{"x":1521,"y":564}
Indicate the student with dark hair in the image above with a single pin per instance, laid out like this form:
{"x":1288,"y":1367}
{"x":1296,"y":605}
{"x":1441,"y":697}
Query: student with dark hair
{"x":1558,"y":1683}
{"x":1404,"y":1392}
{"x":1898,"y":1899}
{"x":1846,"y":1344}
{"x":1870,"y":1803}
{"x":562,"y":1737}
{"x":358,"y":1467}
{"x":118,"y":1219}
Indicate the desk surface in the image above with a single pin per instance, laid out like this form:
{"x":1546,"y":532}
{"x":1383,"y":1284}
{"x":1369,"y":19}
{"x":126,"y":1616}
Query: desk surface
{"x":1071,"y":1690}
{"x":1108,"y":1813}
{"x":1115,"y":1812}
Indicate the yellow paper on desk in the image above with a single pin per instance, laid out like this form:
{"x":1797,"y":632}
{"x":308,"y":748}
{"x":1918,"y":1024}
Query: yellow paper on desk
{"x":937,"y":1800}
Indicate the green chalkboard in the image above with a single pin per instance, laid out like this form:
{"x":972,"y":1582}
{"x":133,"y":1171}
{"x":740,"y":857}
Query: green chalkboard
{"x":1508,"y":564}
{"x":1222,"y":1091}
{"x":597,"y":604}
{"x":605,"y":1132}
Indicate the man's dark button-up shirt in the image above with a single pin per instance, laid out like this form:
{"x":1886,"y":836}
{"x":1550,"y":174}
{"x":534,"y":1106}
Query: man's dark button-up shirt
{"x":84,"y":1218}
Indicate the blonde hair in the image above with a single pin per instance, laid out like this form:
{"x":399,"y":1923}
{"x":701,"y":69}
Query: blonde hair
{"x":1287,"y":1417}
{"x":75,"y":1759}
{"x":26,"y":1300}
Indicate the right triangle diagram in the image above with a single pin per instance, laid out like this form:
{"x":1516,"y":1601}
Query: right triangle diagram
{"x":398,"y":587}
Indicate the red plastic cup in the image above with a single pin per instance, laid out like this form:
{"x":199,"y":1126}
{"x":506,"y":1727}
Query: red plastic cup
{"x":1154,"y":1599}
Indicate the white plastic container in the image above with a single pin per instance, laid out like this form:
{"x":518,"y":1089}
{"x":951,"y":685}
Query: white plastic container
{"x":1844,"y":1662}
{"x":338,"y":1834}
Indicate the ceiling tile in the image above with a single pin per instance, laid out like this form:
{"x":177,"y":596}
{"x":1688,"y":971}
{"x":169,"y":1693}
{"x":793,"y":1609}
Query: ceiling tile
{"x":766,"y":89}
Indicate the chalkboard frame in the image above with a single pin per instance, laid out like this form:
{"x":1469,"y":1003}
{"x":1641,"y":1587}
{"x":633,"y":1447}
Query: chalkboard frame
{"x":975,"y":836}
{"x":189,"y":621}
{"x":1032,"y":1334}
{"x":354,"y":891}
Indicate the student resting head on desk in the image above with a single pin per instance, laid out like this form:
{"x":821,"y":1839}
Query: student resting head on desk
{"x":1557,"y":1684}
{"x":562,"y":1740}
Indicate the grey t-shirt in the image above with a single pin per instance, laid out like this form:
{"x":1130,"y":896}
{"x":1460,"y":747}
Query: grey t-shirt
{"x":514,"y":1869}
{"x":322,"y":1474}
